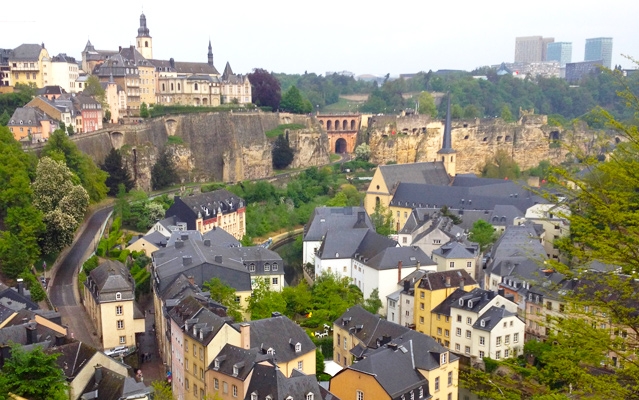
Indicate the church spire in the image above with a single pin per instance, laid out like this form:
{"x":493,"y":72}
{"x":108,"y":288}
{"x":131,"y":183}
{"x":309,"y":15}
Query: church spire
{"x":447,"y":142}
{"x":210,"y":53}
{"x":143,"y":31}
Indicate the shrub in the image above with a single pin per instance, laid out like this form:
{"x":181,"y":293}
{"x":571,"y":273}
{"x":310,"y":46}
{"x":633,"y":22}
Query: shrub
{"x":123,"y":256}
{"x":491,"y":365}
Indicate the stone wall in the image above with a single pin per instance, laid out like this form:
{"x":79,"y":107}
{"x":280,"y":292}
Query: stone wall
{"x":418,"y":138}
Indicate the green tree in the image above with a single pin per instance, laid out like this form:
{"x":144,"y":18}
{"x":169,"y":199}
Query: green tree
{"x":4,"y":118}
{"x":373,"y":303}
{"x":427,"y":104}
{"x":34,"y":286}
{"x":32,"y":374}
{"x":246,"y":241}
{"x":94,"y":88}
{"x":382,"y":219}
{"x":501,"y":166}
{"x":319,"y":361}
{"x":282,"y":153}
{"x":163,"y":173}
{"x":107,"y":117}
{"x":298,"y":299}
{"x":118,"y":173}
{"x":264,"y":301}
{"x":292,"y":101}
{"x":62,"y":203}
{"x":362,"y":152}
{"x":482,"y":233}
{"x":332,"y":295}
{"x":161,"y":390}
{"x":506,"y":114}
{"x":225,"y":295}
{"x":265,"y":89}
{"x":144,"y":110}
{"x":61,"y":148}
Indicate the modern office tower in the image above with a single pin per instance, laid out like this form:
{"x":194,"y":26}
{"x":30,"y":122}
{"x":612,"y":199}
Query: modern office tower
{"x":576,"y":71}
{"x":560,"y":52}
{"x":530,"y":49}
{"x":599,"y":49}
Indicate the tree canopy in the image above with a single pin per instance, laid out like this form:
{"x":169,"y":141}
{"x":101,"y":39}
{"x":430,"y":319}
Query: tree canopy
{"x":225,"y":295}
{"x":282,"y":153}
{"x":118,"y":173}
{"x":163,"y":173}
{"x":265,"y":89}
{"x":293,"y":101}
{"x":482,"y":233}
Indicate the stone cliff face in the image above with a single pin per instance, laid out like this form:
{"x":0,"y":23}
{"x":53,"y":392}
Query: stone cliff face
{"x":226,"y":147}
{"x":418,"y":138}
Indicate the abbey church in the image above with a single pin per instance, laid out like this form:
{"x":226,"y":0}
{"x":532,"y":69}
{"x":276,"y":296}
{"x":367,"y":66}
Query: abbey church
{"x":140,"y":78}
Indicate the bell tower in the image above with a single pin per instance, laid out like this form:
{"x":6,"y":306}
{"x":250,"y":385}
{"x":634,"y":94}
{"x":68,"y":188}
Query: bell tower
{"x":144,"y":42}
{"x":447,"y":153}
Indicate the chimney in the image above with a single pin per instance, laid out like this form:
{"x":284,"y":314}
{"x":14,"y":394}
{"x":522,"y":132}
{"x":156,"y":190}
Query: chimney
{"x":20,"y":286}
{"x":399,"y":271}
{"x":131,"y":47}
{"x":119,"y":49}
{"x":360,"y":216}
{"x":59,"y":340}
{"x":419,"y":264}
{"x":187,"y":260}
{"x":184,"y":236}
{"x":501,"y":292}
{"x":172,"y":62}
{"x":218,"y":259}
{"x":245,"y":335}
{"x":207,"y":242}
{"x":98,"y":374}
{"x":406,"y":285}
{"x":392,"y":346}
{"x":32,"y":334}
{"x":448,"y":281}
{"x":276,"y":314}
{"x":462,"y":283}
{"x":179,"y":244}
{"x":191,"y":279}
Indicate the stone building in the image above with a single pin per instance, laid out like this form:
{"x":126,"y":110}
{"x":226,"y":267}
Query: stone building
{"x":109,"y":297}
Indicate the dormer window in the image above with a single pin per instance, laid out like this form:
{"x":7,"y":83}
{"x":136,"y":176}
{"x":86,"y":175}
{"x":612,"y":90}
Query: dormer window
{"x":443,"y":358}
{"x":298,"y":347}
{"x":310,"y":396}
{"x":482,"y":323}
{"x":236,"y":370}
{"x":217,"y":364}
{"x":270,"y":351}
{"x":275,"y":266}
{"x":470,"y":304}
{"x":267,"y":267}
{"x":461,"y":302}
{"x":118,"y":296}
{"x":254,"y":396}
{"x":251,"y":267}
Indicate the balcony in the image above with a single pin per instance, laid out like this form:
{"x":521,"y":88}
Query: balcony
{"x":21,"y":67}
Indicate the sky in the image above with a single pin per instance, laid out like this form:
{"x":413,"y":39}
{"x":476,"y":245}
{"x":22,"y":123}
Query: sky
{"x":362,"y":37}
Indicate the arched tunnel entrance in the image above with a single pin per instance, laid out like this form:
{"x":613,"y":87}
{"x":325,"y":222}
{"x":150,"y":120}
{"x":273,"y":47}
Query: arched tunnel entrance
{"x":340,"y":146}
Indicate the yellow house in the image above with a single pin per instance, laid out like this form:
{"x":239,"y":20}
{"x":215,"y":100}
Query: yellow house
{"x":430,"y":292}
{"x":458,"y":255}
{"x":148,"y":243}
{"x":229,"y":376}
{"x":410,"y":366}
{"x":27,"y":63}
{"x":109,"y":297}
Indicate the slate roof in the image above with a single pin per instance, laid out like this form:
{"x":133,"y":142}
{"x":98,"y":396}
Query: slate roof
{"x":113,"y":386}
{"x":204,"y":325}
{"x":109,"y":278}
{"x":389,"y":258}
{"x":220,"y":237}
{"x":63,"y":57}
{"x":444,"y":307}
{"x":55,"y":89}
{"x":437,"y":280}
{"x":26,"y":52}
{"x":432,"y":173}
{"x":281,"y":334}
{"x":72,"y":357}
{"x":504,"y":214}
{"x":491,"y":318}
{"x":195,"y":68}
{"x":259,"y":256}
{"x":267,"y":380}
{"x":5,"y":313}
{"x":30,"y":116}
{"x":19,"y":333}
{"x":132,"y":54}
{"x":232,"y":356}
{"x":362,"y":241}
{"x":475,"y":300}
{"x":447,"y":140}
{"x":189,"y":306}
{"x":518,"y":244}
{"x":368,"y":328}
{"x":10,"y":298}
{"x":454,"y":249}
{"x":207,"y":205}
{"x":335,"y":218}
{"x":154,"y":237}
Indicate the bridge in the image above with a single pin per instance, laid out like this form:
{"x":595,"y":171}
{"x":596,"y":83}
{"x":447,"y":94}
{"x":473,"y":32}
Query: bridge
{"x":342,"y":129}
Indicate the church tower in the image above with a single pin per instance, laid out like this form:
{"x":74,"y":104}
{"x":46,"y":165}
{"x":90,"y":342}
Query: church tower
{"x":144,"y":41}
{"x":210,"y":54}
{"x":447,"y":153}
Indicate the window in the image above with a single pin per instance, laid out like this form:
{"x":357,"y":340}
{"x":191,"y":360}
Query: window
{"x":458,"y":331}
{"x":344,"y":268}
{"x":275,"y":281}
{"x":275,"y":267}
{"x":360,"y":395}
{"x":300,"y":365}
{"x":225,"y":387}
{"x":437,"y":384}
{"x":118,"y":310}
{"x":345,"y":344}
{"x":457,"y":347}
{"x":194,"y":350}
{"x":450,"y":396}
{"x":469,"y":264}
{"x":439,"y":331}
{"x":118,"y":296}
{"x":216,"y":384}
{"x":421,"y":306}
{"x":421,"y":294}
{"x":251,"y":267}
{"x":507,"y":339}
{"x":120,"y":324}
{"x":421,"y":320}
{"x":253,"y":396}
{"x":452,"y":264}
{"x":234,"y":391}
{"x":469,"y":320}
{"x":506,"y":353}
{"x":481,"y":354}
{"x":498,"y":341}
{"x":446,"y":332}
{"x":267,"y":267}
{"x":497,"y":354}
{"x":339,"y":339}
{"x":298,"y":347}
{"x":443,"y":358}
{"x":468,"y":334}
{"x":447,"y":319}
{"x":309,"y":396}
{"x":459,"y":318}
{"x":122,"y":339}
{"x":450,"y":378}
{"x":186,"y":384}
{"x":515,"y":337}
{"x":201,"y":353}
{"x":437,"y":241}
{"x":467,"y":349}
{"x":201,"y":373}
{"x":186,"y":364}
{"x":195,"y":389}
{"x":439,"y":317}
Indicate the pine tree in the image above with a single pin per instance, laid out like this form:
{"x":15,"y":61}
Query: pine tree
{"x":282,"y":153}
{"x":118,"y":174}
{"x":163,"y":173}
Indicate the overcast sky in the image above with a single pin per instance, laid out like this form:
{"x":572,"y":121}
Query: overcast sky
{"x":364,"y":37}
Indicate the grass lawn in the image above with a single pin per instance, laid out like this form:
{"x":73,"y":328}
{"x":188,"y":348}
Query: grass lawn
{"x":343,"y":105}
{"x":334,"y":157}
{"x":273,"y":133}
{"x":49,"y":259}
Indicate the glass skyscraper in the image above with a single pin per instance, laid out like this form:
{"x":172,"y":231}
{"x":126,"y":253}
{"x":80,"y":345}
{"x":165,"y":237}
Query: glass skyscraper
{"x":599,"y":49}
{"x":560,"y":52}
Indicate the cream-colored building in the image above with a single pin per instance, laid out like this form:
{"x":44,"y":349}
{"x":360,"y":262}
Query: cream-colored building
{"x":63,"y":71}
{"x":115,"y":98}
{"x":458,"y":255}
{"x":28,"y":65}
{"x":109,"y":298}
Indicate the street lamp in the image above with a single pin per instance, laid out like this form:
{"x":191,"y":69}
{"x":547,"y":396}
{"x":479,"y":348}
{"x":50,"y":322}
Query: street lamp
{"x":498,"y":388}
{"x":317,"y":109}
